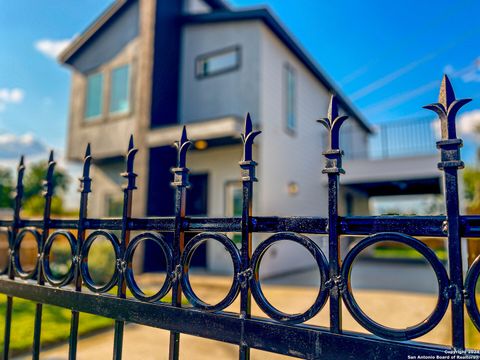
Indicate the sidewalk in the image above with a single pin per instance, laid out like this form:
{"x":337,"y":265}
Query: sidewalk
{"x":396,"y":309}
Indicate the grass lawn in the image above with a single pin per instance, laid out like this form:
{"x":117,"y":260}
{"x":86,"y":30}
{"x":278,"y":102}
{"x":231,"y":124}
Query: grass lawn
{"x":405,"y":253}
{"x":55,"y":324}
{"x":472,"y":336}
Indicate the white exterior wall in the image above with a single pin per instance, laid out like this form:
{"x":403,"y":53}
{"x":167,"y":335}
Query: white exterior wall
{"x":286,"y":157}
{"x":258,"y":87}
{"x":297,"y":157}
{"x":229,"y":94}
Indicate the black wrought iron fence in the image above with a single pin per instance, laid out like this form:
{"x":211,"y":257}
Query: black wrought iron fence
{"x":283,"y":333}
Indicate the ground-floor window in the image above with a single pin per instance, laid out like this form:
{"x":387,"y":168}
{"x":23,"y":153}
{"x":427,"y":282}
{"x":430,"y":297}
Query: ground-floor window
{"x":234,"y":204}
{"x":113,"y":205}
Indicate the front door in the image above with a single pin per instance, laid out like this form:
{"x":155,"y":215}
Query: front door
{"x":161,"y":203}
{"x":197,"y":206}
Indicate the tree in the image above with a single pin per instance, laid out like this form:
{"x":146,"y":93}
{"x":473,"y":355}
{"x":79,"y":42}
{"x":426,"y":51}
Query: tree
{"x":33,"y":201}
{"x":6,"y":188}
{"x":33,"y":187}
{"x":471,"y":180}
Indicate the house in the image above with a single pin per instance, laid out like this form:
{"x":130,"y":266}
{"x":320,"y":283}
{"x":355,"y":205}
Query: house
{"x":148,"y":67}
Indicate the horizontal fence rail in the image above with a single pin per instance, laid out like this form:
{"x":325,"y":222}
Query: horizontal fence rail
{"x":281,"y":333}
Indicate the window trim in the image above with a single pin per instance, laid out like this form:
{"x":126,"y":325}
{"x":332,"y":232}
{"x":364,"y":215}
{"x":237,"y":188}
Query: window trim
{"x":90,"y":119}
{"x":129,"y":90}
{"x":234,"y":48}
{"x":288,"y":68}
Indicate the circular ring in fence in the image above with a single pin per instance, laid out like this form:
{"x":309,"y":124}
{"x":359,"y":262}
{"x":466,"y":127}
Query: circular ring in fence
{"x":51,"y":278}
{"x":258,"y":294}
{"x":470,"y":298}
{"x":87,"y":278}
{"x":188,"y":252}
{"x":19,"y":269}
{"x":383,"y":331}
{"x":130,"y":276}
{"x":5,"y":249}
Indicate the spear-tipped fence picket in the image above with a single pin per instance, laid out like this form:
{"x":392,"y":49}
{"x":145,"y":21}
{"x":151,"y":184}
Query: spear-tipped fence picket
{"x":282,"y":333}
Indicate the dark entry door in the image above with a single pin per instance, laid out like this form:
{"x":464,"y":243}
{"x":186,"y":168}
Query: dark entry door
{"x":197,"y":206}
{"x":161,"y":203}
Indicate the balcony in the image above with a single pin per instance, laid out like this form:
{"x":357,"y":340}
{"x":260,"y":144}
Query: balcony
{"x":399,"y":158}
{"x":401,"y":138}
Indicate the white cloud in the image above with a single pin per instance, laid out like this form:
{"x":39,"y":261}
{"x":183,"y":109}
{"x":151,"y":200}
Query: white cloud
{"x":399,"y":99}
{"x":387,"y":79}
{"x":12,"y":146}
{"x":469,"y":73}
{"x":468,"y":126}
{"x":52,"y":48}
{"x":10,"y":96}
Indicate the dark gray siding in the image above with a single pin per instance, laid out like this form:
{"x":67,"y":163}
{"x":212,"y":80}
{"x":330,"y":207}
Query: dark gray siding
{"x":108,"y":41}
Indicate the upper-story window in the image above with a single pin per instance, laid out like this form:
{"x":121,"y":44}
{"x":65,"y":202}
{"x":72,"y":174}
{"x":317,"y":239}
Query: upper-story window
{"x":120,"y":90}
{"x":290,"y":98}
{"x":218,"y":62}
{"x":94,"y":96}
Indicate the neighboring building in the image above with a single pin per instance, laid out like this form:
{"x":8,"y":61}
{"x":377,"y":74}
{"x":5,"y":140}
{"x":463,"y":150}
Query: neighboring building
{"x":149,"y":66}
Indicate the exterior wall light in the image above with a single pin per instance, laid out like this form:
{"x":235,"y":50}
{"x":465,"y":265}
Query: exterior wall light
{"x":293,"y":188}
{"x":201,"y":145}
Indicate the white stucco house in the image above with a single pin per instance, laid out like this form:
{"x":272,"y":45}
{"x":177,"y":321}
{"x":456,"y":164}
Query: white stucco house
{"x":148,"y":67}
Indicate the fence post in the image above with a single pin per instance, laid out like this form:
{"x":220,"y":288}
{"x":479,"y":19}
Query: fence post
{"x":333,"y":168}
{"x":85,"y":189}
{"x":180,"y":182}
{"x":446,"y":109}
{"x":247,"y":166}
{"x":11,"y":272}
{"x":47,"y":193}
{"x":128,"y":189}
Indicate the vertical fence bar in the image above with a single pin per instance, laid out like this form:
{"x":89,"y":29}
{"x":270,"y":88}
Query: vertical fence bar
{"x":47,"y":193}
{"x":85,"y":189}
{"x":446,"y":109}
{"x":333,"y":168}
{"x":247,"y":166}
{"x":128,"y":189}
{"x":180,"y":182}
{"x":11,"y":272}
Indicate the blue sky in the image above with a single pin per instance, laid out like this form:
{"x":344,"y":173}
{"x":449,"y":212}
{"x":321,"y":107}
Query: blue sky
{"x":388,"y":57}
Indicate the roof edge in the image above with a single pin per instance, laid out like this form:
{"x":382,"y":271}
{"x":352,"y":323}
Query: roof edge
{"x":264,"y":14}
{"x":217,"y":4}
{"x":79,"y":41}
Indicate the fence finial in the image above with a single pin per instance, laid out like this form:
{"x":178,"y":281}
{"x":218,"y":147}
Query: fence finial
{"x":180,"y":173}
{"x":248,"y":137}
{"x":183,"y":145}
{"x":447,"y":108}
{"x":20,"y":170}
{"x":333,"y":123}
{"x":18,"y":193}
{"x":21,"y":163}
{"x":48,"y":182}
{"x":130,"y":159}
{"x":85,"y":180}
